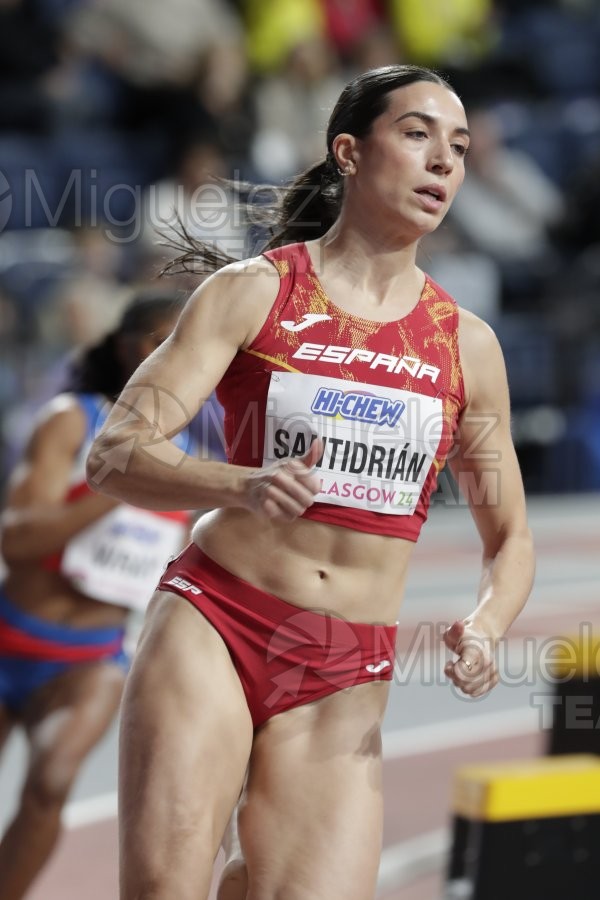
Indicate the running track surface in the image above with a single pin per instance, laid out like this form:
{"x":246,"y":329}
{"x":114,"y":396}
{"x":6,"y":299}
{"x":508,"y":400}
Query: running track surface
{"x":428,"y":732}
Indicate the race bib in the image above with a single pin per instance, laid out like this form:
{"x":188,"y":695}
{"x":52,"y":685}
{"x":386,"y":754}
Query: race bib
{"x":379,"y":442}
{"x":120,"y":558}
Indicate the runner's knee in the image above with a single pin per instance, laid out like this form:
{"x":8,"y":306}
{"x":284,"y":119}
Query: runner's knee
{"x":50,"y":780}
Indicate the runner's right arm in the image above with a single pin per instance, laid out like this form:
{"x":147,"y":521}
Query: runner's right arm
{"x":133,"y":458}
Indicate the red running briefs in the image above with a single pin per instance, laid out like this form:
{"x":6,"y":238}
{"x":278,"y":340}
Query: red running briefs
{"x":285,"y":655}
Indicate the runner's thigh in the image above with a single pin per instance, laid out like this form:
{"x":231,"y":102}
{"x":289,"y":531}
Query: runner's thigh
{"x":66,"y":718}
{"x":186,"y":735}
{"x":312,"y":823}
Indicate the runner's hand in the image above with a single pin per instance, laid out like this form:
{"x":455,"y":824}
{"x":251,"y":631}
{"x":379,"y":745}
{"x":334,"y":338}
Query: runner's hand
{"x":474,"y":672}
{"x":284,"y":490}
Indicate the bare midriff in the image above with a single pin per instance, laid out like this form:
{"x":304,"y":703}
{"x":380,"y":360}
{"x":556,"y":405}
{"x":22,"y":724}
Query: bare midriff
{"x":357,"y":575}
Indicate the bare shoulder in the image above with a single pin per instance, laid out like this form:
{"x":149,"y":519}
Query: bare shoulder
{"x":238,"y":296}
{"x":255,"y":268}
{"x":62,"y":417}
{"x":481,"y":355}
{"x":478,"y":341}
{"x":58,"y":432}
{"x":476,"y":336}
{"x":61,"y":412}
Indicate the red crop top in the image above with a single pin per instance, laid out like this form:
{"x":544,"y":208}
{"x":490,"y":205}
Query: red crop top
{"x":384,"y":396}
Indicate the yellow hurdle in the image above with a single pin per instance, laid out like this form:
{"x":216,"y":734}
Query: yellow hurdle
{"x":527,"y":830}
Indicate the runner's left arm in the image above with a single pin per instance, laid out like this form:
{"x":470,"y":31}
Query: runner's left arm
{"x":485,"y":465}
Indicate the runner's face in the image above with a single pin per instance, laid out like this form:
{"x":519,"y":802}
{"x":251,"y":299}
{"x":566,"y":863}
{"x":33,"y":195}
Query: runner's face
{"x":411,"y":164}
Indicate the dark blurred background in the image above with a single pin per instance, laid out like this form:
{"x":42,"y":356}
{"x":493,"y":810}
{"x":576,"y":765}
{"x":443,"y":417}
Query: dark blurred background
{"x":113,"y":113}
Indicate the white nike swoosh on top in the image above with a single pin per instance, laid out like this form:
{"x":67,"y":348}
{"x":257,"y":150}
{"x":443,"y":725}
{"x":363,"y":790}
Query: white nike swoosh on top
{"x":379,"y":667}
{"x":309,"y":319}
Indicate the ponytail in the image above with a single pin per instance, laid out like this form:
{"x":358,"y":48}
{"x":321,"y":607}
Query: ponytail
{"x":309,"y":206}
{"x":304,"y":210}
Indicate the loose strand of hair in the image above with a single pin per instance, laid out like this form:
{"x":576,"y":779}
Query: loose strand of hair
{"x":303,"y":209}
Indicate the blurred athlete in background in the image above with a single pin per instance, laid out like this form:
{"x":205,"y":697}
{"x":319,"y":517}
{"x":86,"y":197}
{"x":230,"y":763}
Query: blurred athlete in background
{"x":76,"y":563}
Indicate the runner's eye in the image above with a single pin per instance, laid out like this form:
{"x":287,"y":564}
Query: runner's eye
{"x":460,"y":149}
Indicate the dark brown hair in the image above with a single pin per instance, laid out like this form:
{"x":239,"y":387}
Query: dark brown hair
{"x":308,"y":207}
{"x":98,"y":370}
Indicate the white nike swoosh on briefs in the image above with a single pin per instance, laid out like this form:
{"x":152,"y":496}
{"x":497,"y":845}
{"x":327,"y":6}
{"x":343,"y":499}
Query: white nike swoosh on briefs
{"x":308,"y":320}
